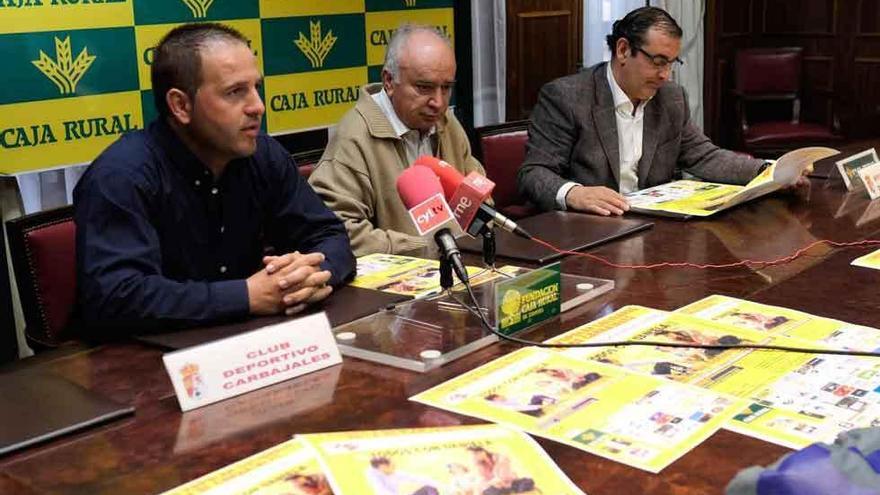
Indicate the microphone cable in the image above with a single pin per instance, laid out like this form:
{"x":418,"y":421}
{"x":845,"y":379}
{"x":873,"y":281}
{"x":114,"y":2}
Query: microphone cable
{"x":477,"y":311}
{"x":705,"y":266}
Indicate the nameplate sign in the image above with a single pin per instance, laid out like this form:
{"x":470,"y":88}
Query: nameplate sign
{"x":218,"y":370}
{"x":528,"y":299}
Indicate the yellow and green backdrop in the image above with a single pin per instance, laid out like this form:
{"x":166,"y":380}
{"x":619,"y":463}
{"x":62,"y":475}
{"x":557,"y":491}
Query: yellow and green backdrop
{"x":76,"y":73}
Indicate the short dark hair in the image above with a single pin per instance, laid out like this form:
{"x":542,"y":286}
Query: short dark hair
{"x":634,"y":25}
{"x":380,"y":461}
{"x":177,"y":60}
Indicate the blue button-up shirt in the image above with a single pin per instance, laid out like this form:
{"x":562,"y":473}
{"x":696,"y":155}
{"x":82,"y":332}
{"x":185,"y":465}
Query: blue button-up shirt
{"x":160,"y":243}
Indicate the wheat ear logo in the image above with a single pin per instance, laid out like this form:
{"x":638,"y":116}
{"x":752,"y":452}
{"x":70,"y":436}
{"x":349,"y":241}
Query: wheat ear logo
{"x":317,"y":47}
{"x":410,"y":3}
{"x":199,"y":8}
{"x":64,"y":71}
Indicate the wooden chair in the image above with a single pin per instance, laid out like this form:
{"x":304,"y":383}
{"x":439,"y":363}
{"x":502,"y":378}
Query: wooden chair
{"x":306,"y":161}
{"x":502,"y":149}
{"x":768,"y":85}
{"x":43,"y":251}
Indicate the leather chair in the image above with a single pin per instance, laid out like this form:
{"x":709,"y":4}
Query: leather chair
{"x":502,"y":149}
{"x":43,"y":251}
{"x":8,"y":338}
{"x":768,"y":84}
{"x":306,"y":161}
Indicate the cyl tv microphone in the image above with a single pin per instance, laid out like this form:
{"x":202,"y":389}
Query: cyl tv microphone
{"x":421,"y":193}
{"x":466,"y":197}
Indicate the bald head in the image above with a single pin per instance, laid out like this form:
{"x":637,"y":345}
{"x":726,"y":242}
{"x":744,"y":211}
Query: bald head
{"x":419,"y":74}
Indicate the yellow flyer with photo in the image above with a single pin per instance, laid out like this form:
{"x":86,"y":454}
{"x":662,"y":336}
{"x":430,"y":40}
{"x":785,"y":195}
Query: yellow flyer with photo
{"x":824,"y":397}
{"x":871,"y":260}
{"x":638,"y":420}
{"x":414,"y":277}
{"x":289,"y":468}
{"x":737,"y":372}
{"x":465,"y":460}
{"x":681,"y":364}
{"x":821,"y":332}
{"x":683,"y":197}
{"x":794,"y":399}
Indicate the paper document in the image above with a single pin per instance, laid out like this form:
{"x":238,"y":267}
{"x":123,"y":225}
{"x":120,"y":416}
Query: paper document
{"x":685,"y":198}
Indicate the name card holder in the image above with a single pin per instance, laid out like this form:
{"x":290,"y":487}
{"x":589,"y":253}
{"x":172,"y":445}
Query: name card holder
{"x":225,"y":368}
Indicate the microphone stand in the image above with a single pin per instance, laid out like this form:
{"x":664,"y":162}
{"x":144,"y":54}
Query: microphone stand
{"x":489,"y":247}
{"x":446,"y":281}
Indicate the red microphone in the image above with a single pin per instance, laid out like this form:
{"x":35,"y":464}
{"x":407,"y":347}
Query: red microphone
{"x":422,"y":195}
{"x":467,"y":195}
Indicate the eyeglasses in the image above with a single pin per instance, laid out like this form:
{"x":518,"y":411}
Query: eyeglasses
{"x":660,"y":61}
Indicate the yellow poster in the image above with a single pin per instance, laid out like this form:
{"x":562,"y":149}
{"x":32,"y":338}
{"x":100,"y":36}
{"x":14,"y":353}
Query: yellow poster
{"x":438,"y":461}
{"x":415,"y":277}
{"x":871,"y":260}
{"x":794,"y":399}
{"x":823,"y":332}
{"x":642,"y":421}
{"x":286,"y":469}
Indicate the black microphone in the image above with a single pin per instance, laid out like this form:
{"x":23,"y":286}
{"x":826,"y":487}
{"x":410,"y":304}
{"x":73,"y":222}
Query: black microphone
{"x":449,"y":250}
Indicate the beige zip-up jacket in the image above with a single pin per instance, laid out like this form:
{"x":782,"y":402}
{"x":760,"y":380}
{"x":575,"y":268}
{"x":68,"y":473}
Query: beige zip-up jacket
{"x":357,"y":176}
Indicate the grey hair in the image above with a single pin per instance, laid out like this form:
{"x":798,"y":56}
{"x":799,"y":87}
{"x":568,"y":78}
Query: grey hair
{"x":398,"y":41}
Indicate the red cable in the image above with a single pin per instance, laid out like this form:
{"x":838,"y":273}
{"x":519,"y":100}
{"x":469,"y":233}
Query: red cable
{"x":684,"y":264}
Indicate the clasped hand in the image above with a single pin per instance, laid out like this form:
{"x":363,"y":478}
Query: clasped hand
{"x":288,"y":284}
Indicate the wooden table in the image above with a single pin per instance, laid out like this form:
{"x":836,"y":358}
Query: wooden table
{"x":159,"y":447}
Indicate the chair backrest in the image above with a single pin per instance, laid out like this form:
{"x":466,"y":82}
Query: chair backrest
{"x":8,"y":338}
{"x":306,"y":161}
{"x":43,"y":251}
{"x":502,"y":151}
{"x":769,"y":71}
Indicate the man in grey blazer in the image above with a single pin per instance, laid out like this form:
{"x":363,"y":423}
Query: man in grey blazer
{"x":621,"y":126}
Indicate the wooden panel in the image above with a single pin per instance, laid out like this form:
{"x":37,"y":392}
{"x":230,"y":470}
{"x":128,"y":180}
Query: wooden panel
{"x":818,"y":73}
{"x":799,"y":17}
{"x":869,"y":17}
{"x":867,"y":74}
{"x":737,"y":18}
{"x":543,"y":43}
{"x":840,"y":41}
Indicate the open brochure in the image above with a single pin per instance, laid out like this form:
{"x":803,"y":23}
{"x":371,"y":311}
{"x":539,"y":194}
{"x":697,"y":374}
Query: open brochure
{"x":686,"y":198}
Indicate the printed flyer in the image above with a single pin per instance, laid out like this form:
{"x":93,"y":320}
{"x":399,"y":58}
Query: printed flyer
{"x":815,"y":402}
{"x":414,"y":277}
{"x":466,"y":460}
{"x":823,"y":332}
{"x":871,"y":260}
{"x":642,"y":421}
{"x":795,"y":399}
{"x":289,"y":468}
{"x":735,"y":372}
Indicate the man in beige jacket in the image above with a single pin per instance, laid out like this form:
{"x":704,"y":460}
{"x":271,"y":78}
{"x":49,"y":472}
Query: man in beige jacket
{"x":392,"y":124}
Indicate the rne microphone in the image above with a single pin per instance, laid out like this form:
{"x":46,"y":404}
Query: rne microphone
{"x":422,"y":195}
{"x":466,"y":195}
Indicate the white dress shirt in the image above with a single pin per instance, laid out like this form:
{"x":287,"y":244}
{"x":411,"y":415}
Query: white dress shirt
{"x":415,"y":142}
{"x":630,"y":127}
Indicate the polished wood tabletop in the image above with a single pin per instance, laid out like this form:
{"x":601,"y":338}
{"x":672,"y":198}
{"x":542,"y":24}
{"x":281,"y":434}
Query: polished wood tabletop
{"x":160,"y":447}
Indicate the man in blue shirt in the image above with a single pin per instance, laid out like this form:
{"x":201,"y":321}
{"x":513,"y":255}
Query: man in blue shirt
{"x":173,"y":222}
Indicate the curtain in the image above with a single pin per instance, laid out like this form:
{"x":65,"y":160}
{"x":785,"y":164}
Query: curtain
{"x":599,"y":15}
{"x":489,"y":27}
{"x":690,"y":15}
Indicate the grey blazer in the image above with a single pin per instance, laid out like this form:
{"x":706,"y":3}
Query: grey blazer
{"x":573,"y":137}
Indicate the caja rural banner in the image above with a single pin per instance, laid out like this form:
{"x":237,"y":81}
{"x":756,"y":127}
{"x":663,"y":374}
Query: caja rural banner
{"x":76,"y":73}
